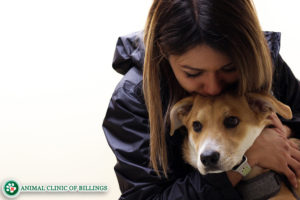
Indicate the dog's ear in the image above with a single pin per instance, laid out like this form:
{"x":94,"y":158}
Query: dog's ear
{"x":265,"y":103}
{"x":178,"y":111}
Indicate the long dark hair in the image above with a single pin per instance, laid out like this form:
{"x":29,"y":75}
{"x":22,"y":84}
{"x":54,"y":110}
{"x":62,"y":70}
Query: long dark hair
{"x":175,"y":26}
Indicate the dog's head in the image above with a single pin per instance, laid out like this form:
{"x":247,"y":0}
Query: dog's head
{"x":221,"y":129}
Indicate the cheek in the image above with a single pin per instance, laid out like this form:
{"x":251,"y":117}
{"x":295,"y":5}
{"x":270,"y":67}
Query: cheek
{"x":186,"y":83}
{"x":190,"y":85}
{"x":229,"y":78}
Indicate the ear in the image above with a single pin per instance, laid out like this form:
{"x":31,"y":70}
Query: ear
{"x":265,"y":103}
{"x":178,"y":111}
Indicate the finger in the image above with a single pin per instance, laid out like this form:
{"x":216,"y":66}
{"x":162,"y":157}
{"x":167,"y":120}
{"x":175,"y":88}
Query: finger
{"x":280,"y":132}
{"x":291,"y":177}
{"x":293,"y":144}
{"x":276,"y":121}
{"x":295,"y":153}
{"x":287,"y":131}
{"x":295,"y":166}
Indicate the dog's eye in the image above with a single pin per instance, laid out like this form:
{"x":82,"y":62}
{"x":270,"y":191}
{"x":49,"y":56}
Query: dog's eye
{"x":197,"y":126}
{"x":231,"y":122}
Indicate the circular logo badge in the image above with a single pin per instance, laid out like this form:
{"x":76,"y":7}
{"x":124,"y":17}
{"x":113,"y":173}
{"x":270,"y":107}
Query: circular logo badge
{"x":11,"y":189}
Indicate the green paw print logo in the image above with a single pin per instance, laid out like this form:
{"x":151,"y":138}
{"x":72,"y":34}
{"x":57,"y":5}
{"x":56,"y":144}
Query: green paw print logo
{"x":11,"y":189}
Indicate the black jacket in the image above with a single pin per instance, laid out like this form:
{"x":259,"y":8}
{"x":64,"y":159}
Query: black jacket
{"x":127,"y":131}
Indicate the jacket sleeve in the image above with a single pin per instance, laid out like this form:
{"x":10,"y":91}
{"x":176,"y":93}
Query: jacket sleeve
{"x":127,"y":132}
{"x":286,"y":88}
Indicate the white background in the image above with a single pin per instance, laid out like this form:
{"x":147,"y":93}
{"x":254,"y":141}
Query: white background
{"x":56,"y":80}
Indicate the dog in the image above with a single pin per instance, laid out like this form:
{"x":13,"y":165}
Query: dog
{"x":221,"y":129}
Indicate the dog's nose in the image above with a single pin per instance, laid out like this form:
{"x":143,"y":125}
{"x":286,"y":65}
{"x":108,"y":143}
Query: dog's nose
{"x":210,"y":158}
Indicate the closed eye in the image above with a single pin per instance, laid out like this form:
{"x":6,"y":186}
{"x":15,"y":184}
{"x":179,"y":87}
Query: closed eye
{"x":193,"y":75}
{"x":228,"y":68}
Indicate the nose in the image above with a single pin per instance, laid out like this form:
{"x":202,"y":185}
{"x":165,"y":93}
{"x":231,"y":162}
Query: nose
{"x":212,"y":85}
{"x":210,"y":158}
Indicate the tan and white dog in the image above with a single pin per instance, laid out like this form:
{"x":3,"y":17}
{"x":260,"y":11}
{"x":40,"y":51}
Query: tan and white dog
{"x":221,"y":129}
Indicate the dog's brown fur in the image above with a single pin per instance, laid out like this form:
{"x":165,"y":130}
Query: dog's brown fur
{"x":252,"y":112}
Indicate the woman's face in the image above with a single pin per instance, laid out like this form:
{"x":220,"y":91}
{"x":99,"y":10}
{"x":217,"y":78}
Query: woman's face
{"x":203,"y":70}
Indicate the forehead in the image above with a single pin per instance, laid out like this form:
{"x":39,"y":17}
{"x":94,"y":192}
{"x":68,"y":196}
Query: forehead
{"x":201,"y":57}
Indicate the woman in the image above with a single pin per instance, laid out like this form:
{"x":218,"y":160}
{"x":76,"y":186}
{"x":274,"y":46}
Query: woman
{"x":194,"y":46}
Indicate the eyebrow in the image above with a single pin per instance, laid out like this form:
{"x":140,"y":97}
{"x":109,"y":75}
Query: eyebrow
{"x":196,"y":69}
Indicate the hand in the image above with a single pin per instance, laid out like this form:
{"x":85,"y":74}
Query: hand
{"x":274,"y":151}
{"x":282,"y":129}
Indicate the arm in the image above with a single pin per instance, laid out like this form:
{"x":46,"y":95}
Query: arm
{"x":287,"y":89}
{"x":127,"y":132}
{"x":272,"y":149}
